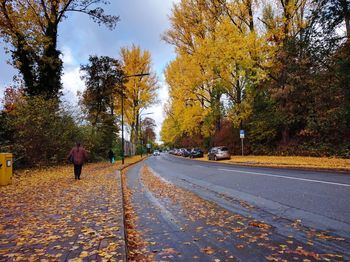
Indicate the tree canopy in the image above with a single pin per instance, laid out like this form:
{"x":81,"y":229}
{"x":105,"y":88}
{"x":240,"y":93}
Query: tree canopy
{"x":31,"y":29}
{"x":279,"y":70}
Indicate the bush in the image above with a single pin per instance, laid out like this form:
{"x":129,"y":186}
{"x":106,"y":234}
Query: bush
{"x":43,"y":133}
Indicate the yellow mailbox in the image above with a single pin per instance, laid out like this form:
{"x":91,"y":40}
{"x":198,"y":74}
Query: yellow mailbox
{"x":5,"y":169}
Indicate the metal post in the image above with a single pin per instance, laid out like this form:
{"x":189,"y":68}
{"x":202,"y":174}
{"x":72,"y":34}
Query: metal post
{"x":242,"y":145}
{"x":140,"y":134}
{"x":122,"y":128}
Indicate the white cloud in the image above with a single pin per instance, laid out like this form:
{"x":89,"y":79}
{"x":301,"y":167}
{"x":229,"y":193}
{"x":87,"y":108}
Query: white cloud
{"x":67,"y":57}
{"x":157,"y":111}
{"x":72,"y":83}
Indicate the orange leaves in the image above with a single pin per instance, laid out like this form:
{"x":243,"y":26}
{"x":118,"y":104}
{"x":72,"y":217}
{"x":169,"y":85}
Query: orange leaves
{"x":53,"y":216}
{"x":328,"y":237}
{"x":208,"y":250}
{"x":259,"y":225}
{"x":140,"y":91}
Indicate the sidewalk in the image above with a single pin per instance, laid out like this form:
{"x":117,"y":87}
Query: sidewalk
{"x":48,"y":215}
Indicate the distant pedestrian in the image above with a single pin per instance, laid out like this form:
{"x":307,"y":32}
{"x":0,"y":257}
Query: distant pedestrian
{"x":111,"y":156}
{"x":78,"y":157}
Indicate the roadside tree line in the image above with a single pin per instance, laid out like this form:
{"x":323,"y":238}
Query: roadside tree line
{"x":36,"y":124}
{"x":279,"y":69}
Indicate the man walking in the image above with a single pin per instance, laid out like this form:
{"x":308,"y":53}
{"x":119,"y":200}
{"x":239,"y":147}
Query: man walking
{"x":77,"y":156}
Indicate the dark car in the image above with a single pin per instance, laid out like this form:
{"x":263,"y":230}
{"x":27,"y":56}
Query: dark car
{"x":184,"y":152}
{"x":196,"y":152}
{"x":220,"y":152}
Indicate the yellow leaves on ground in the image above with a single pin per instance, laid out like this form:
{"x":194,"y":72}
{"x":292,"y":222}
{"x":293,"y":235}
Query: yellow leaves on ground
{"x":290,"y":161}
{"x":131,"y":160}
{"x":46,"y":214}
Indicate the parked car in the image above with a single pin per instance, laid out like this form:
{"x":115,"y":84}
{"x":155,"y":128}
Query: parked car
{"x":196,"y":152}
{"x":220,"y":152}
{"x":183,"y":152}
{"x":156,"y":153}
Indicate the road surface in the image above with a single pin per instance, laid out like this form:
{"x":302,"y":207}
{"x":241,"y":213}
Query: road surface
{"x":303,"y":204}
{"x":319,"y":199}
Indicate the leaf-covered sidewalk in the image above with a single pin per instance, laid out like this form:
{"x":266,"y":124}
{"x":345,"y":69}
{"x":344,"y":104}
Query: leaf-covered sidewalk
{"x":46,"y":214}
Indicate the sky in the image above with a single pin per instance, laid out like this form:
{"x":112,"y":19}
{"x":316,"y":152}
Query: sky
{"x":142,"y":22}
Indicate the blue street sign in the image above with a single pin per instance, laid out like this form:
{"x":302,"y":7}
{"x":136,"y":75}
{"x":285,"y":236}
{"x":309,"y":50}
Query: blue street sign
{"x":241,"y":133}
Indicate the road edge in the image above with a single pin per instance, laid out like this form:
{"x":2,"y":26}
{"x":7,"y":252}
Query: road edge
{"x":325,"y":170}
{"x":119,"y":172}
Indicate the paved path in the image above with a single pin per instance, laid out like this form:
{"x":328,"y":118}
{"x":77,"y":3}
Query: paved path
{"x":48,"y":215}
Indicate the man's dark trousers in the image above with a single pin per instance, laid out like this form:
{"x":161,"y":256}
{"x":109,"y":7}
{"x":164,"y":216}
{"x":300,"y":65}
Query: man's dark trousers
{"x":77,"y":171}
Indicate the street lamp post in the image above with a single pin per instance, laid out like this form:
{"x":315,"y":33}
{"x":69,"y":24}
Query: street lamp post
{"x":122,"y":95}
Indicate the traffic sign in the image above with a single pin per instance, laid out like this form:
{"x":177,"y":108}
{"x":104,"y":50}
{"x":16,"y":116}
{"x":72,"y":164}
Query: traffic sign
{"x":241,"y":133}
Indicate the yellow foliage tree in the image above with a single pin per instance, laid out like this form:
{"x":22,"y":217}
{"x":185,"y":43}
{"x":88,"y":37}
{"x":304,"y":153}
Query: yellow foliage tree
{"x":140,"y":91}
{"x":220,"y":56}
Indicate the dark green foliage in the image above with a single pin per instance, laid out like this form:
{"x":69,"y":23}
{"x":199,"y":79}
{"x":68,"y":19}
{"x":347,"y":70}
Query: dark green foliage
{"x":42,"y":135}
{"x":304,"y":108}
{"x":102,"y":76}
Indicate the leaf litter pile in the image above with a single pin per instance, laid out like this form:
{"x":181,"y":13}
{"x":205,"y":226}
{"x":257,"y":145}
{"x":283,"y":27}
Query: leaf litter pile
{"x":47,"y":215}
{"x":214,"y":234}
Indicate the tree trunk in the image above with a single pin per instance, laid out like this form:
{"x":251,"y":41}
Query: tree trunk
{"x":50,"y":66}
{"x":251,"y":18}
{"x":346,"y":12}
{"x":285,"y":135}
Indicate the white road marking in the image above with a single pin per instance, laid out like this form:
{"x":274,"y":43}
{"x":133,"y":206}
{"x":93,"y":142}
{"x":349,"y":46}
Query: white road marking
{"x":286,"y":177}
{"x":200,"y":166}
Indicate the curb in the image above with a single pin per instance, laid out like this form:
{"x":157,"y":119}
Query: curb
{"x":119,"y":173}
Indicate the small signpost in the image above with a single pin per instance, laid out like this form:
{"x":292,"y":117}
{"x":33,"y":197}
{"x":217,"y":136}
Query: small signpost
{"x":241,"y":135}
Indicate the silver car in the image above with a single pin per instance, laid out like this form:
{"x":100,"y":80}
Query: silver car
{"x":156,"y":153}
{"x":220,"y":152}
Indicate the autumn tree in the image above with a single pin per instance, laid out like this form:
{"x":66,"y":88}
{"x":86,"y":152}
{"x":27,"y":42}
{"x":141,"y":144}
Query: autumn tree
{"x":300,"y":105}
{"x":278,"y":69}
{"x":139,"y":91}
{"x":41,"y":134}
{"x":31,"y":29}
{"x":220,"y":57}
{"x":102,"y":76}
{"x":148,"y":133}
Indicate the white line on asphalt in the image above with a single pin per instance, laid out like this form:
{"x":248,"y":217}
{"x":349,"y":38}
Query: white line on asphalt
{"x":200,"y":166}
{"x":286,"y":177}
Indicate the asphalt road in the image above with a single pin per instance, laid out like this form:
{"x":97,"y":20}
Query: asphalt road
{"x":318,"y":200}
